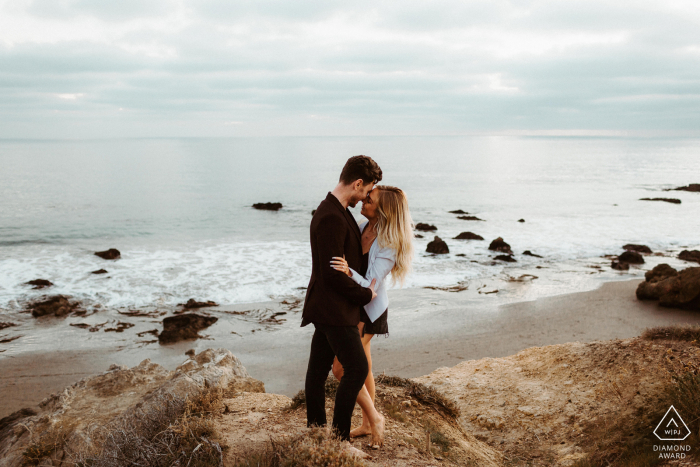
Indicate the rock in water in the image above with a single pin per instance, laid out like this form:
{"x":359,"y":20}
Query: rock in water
{"x":631,"y":257}
{"x":185,"y":326}
{"x":529,"y":253}
{"x":507,"y":258}
{"x":668,"y":200}
{"x":468,"y":236}
{"x":638,"y":248}
{"x":620,"y":265}
{"x":500,"y":245}
{"x":694,"y":187}
{"x":469,"y":218}
{"x":58,"y":305}
{"x":521,"y":220}
{"x":268,"y":206}
{"x":39,"y":283}
{"x":425,"y":227}
{"x":192,"y":303}
{"x":693,"y":255}
{"x":112,"y":253}
{"x":437,"y":246}
{"x":458,"y":211}
{"x":660,"y":272}
{"x":99,"y":271}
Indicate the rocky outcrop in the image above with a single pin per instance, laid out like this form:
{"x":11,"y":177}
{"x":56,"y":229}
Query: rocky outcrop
{"x":425,"y":227}
{"x":638,"y":248}
{"x":458,"y":211}
{"x":631,"y":257}
{"x":529,"y":253}
{"x":694,"y":187}
{"x":192,"y":303}
{"x":667,"y":200}
{"x":620,"y":265}
{"x":468,"y":236}
{"x":500,"y":245}
{"x":469,"y":218}
{"x":39,"y":283}
{"x":506,"y":258}
{"x":437,"y":246}
{"x":521,"y":220}
{"x":268,"y":206}
{"x":672,"y":289}
{"x":99,"y":271}
{"x":112,"y":253}
{"x":67,"y":424}
{"x":693,"y":256}
{"x":58,"y":305}
{"x":183,"y":327}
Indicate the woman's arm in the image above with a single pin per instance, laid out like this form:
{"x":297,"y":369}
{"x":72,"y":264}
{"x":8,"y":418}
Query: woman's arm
{"x":379,"y":269}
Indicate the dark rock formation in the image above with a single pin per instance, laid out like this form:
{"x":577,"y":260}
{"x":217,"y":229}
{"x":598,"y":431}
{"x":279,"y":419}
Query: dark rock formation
{"x":418,"y":236}
{"x":185,"y":326}
{"x":500,"y":245}
{"x":631,"y":257}
{"x":458,"y":211}
{"x":507,"y":258}
{"x":620,"y":265}
{"x":58,"y":305}
{"x":660,"y":272}
{"x":192,"y":303}
{"x":469,"y":218}
{"x":529,"y":253}
{"x":425,"y":227}
{"x":112,"y":253}
{"x":39,"y":283}
{"x":521,"y":220}
{"x":468,"y":236}
{"x":693,"y":255}
{"x":268,"y":206}
{"x":437,"y":246}
{"x":638,"y":248}
{"x":99,"y":271}
{"x":313,"y":212}
{"x":4,"y":325}
{"x":694,"y":187}
{"x":668,"y":200}
{"x":120,"y":326}
{"x":681,"y":290}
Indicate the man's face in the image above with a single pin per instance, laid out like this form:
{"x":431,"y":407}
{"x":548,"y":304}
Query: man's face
{"x":360,"y":192}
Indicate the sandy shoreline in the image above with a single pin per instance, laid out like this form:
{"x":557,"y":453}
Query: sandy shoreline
{"x":457,"y":327}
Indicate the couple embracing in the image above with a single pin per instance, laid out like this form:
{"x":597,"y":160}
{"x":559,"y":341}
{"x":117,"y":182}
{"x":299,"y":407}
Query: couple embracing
{"x":347,"y":300}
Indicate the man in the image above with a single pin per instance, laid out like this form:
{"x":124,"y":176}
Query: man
{"x":333,"y":300}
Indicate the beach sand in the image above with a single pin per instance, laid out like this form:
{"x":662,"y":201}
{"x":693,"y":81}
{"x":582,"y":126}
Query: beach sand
{"x":428,"y":329}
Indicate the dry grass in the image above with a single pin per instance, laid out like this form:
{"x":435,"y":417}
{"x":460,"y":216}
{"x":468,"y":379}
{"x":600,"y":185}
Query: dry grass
{"x":678,"y":333}
{"x":314,"y":448}
{"x":51,"y":441}
{"x":422,"y":393}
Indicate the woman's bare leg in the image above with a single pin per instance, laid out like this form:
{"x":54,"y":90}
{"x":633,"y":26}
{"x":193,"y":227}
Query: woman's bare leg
{"x":366,"y":428}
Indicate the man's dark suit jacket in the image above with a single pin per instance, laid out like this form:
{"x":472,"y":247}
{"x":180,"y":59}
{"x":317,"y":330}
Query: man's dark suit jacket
{"x":332,"y":297}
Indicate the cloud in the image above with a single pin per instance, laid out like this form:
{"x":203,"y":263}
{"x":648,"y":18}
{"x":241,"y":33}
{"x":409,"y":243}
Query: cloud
{"x":317,"y":67}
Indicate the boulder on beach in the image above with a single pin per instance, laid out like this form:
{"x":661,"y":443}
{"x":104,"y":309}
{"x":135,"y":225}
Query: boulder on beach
{"x":620,"y":265}
{"x":58,"y":305}
{"x":469,"y":218}
{"x":468,"y":236}
{"x":638,"y":248}
{"x":693,"y":255}
{"x":500,"y":245}
{"x":185,"y":326}
{"x":694,"y":187}
{"x":99,"y":271}
{"x":506,"y":258}
{"x":458,"y":211}
{"x":667,"y":200}
{"x":39,"y":283}
{"x":112,"y":253}
{"x":192,"y":303}
{"x":681,"y":290}
{"x":425,"y":227}
{"x":631,"y":257}
{"x":529,"y":253}
{"x":268,"y":206}
{"x":521,"y":220}
{"x":437,"y":246}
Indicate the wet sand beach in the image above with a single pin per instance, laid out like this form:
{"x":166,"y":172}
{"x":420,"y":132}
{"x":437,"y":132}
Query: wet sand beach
{"x":428,"y":329}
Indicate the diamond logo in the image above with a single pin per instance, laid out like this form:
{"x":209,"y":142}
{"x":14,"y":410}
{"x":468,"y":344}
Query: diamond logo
{"x":672,"y":427}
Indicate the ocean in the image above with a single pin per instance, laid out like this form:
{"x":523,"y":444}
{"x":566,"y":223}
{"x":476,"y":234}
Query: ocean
{"x":179,"y":210}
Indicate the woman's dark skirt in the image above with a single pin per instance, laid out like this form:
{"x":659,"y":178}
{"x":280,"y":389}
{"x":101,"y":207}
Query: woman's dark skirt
{"x":380,"y":326}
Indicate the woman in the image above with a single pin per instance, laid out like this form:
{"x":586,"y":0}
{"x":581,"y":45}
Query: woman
{"x":387,"y":247}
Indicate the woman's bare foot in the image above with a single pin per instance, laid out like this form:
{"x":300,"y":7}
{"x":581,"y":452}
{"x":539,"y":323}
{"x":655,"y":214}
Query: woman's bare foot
{"x":363,"y":430}
{"x":378,"y":432}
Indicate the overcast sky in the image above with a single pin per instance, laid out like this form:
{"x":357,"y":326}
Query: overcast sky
{"x":81,"y":68}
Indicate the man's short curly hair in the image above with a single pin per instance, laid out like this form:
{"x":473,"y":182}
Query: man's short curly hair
{"x":361,"y":167}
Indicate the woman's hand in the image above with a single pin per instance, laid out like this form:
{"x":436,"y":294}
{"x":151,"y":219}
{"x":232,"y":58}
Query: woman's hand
{"x":339,"y":264}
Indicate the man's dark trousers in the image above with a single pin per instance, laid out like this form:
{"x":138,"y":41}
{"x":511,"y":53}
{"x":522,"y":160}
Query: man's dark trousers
{"x":345,"y":343}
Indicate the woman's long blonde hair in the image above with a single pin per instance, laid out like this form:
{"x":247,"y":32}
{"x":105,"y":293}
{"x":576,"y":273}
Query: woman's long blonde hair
{"x":395,"y":229}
